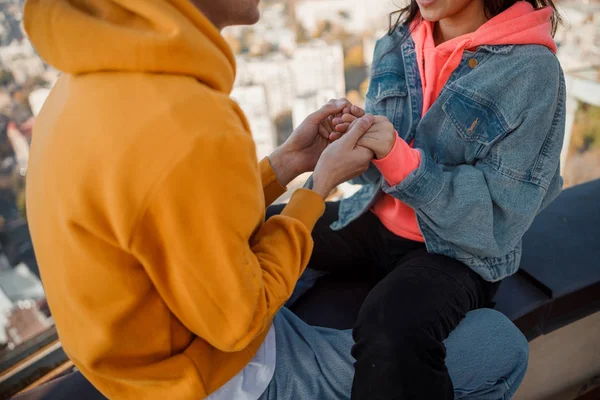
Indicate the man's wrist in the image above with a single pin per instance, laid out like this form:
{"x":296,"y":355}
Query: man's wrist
{"x":282,"y":166}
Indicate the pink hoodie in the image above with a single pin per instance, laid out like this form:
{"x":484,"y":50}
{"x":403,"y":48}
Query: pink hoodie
{"x":520,"y":24}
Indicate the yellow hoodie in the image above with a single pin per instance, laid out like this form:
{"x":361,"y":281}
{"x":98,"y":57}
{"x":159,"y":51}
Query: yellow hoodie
{"x":146,"y":202}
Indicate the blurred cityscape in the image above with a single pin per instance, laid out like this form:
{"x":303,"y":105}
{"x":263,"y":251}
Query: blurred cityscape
{"x":301,"y":54}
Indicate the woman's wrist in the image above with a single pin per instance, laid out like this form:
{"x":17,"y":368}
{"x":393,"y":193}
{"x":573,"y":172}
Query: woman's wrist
{"x":386,"y":152}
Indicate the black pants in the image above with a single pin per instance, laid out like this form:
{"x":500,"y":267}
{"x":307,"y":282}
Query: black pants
{"x":419,"y":300}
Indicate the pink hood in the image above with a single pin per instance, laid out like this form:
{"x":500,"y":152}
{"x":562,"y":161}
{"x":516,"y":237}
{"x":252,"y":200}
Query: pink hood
{"x":520,"y":24}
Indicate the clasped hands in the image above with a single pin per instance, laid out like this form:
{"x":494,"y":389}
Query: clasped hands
{"x":337,"y":142}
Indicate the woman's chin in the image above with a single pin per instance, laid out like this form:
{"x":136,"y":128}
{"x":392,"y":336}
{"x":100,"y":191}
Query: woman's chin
{"x":431,"y":15}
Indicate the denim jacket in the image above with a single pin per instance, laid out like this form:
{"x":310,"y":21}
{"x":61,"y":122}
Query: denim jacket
{"x":490,"y":148}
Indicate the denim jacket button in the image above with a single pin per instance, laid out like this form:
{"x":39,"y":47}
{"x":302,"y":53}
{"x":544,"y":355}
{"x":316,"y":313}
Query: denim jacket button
{"x":473,"y":62}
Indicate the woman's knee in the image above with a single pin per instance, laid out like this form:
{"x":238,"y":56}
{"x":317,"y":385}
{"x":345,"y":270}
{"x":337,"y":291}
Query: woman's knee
{"x":486,"y":353}
{"x":508,"y":345}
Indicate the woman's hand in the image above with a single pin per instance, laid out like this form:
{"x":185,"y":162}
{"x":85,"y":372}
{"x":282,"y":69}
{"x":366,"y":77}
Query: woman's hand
{"x":302,"y":149}
{"x":380,"y":138}
{"x":343,"y":159}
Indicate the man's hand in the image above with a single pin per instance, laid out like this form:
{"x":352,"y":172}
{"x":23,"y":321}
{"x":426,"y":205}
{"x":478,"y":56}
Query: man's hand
{"x":343,"y":159}
{"x":302,"y":149}
{"x":341,"y":123}
{"x":380,"y":138}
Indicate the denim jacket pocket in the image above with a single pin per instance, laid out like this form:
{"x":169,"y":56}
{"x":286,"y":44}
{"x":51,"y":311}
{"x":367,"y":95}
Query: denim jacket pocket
{"x":386,"y":96}
{"x":474,"y":125}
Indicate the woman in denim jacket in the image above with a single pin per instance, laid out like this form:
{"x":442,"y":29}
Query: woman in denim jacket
{"x":469,"y":101}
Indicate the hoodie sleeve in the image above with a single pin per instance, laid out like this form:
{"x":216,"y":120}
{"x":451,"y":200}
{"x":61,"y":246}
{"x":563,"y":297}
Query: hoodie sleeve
{"x":219,"y":267}
{"x":399,"y":163}
{"x":271,"y":186}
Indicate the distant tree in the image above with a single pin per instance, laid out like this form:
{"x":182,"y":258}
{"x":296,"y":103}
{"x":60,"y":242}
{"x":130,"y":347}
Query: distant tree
{"x":21,"y":110}
{"x":261,"y":48}
{"x":355,"y":98}
{"x":586,"y":129}
{"x":323,"y":27}
{"x":18,"y":188}
{"x":18,"y":181}
{"x":35,"y":82}
{"x":6,"y":149}
{"x":354,"y":57}
{"x":6,"y":78}
{"x":355,"y":76}
{"x":344,"y":14}
{"x":582,"y":167}
{"x":247,"y":40}
{"x":21,"y":204}
{"x":336,"y":33}
{"x":284,"y":126}
{"x":302,"y":35}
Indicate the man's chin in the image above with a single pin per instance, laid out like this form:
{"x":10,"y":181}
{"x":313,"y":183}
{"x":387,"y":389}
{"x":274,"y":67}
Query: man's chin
{"x":255,"y":18}
{"x":250,"y":18}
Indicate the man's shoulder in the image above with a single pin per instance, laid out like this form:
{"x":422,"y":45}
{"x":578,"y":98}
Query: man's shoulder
{"x":195,"y":109}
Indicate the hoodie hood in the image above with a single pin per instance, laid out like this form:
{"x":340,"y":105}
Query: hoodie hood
{"x":152,"y":36}
{"x":520,"y":24}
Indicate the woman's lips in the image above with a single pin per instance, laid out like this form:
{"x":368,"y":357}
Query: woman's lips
{"x":425,"y":3}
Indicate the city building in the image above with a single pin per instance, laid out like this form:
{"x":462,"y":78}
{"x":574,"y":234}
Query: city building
{"x":579,"y":54}
{"x":21,"y":60}
{"x":5,"y":101}
{"x":20,"y":146}
{"x":11,"y":15}
{"x":24,"y":322}
{"x":319,"y":66}
{"x":19,"y":283}
{"x":310,"y":12}
{"x":6,"y":307}
{"x":274,"y":30}
{"x":37,"y":98}
{"x":307,"y":103}
{"x":275,"y":74}
{"x":253,"y":101}
{"x":355,"y":16}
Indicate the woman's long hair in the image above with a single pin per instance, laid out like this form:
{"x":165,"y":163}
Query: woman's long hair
{"x":492,"y":8}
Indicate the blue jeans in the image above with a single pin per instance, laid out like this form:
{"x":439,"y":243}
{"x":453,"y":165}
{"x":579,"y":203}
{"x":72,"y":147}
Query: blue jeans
{"x":486,"y":358}
{"x":400,"y":332}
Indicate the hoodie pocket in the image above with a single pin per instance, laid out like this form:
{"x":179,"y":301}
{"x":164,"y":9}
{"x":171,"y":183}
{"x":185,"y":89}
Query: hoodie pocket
{"x":387,"y":96}
{"x":472,"y":128}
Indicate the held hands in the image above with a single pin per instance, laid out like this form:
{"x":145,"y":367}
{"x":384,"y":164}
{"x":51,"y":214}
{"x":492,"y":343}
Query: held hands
{"x":343,"y":159}
{"x":380,"y":138}
{"x":302,"y":149}
{"x":329,"y":142}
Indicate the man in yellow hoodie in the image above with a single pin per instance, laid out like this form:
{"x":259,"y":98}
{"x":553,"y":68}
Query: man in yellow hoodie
{"x":146,"y":205}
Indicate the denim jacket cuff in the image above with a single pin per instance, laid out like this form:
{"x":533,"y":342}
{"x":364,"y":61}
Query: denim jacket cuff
{"x":421,"y":187}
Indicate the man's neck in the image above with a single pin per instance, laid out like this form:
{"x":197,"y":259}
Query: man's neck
{"x":467,"y":20}
{"x":209,"y":12}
